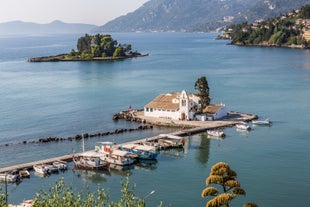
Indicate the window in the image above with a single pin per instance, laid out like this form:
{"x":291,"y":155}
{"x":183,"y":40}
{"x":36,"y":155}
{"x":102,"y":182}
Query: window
{"x":183,"y":102}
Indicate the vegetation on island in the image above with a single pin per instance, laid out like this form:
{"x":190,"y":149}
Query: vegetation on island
{"x":61,"y":195}
{"x":290,"y":30}
{"x":94,"y":47}
{"x":203,"y":91}
{"x":221,"y":174}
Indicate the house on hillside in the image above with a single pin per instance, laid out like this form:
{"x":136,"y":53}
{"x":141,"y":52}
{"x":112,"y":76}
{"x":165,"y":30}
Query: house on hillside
{"x":182,"y":106}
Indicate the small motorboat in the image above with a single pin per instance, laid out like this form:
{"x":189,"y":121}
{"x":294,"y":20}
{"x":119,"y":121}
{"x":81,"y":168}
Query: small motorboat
{"x":61,"y":165}
{"x":10,"y":177}
{"x":265,"y":122}
{"x":41,"y":169}
{"x":216,"y":133}
{"x":243,"y":126}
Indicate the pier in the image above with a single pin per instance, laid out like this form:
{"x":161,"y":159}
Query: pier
{"x":187,"y":128}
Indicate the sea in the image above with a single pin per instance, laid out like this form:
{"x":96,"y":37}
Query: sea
{"x":63,"y":99}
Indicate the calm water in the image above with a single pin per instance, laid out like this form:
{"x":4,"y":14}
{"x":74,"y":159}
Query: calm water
{"x":67,"y":98}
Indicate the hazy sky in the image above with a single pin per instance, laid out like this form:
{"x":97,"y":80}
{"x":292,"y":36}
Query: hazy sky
{"x":70,"y":11}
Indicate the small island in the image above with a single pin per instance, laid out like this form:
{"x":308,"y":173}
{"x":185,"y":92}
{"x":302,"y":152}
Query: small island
{"x":94,"y":47}
{"x":291,"y":30}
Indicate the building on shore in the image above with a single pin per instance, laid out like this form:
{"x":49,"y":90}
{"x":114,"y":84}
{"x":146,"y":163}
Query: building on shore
{"x":182,"y":106}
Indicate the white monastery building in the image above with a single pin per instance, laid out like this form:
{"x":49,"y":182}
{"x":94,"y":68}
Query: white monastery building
{"x":182,"y":106}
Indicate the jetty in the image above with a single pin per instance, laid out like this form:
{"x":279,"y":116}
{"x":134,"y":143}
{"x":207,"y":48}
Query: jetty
{"x":184,"y":128}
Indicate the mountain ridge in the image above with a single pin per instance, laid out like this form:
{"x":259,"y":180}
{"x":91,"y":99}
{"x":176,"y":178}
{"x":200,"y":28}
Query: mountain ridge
{"x":196,"y":15}
{"x":55,"y":27}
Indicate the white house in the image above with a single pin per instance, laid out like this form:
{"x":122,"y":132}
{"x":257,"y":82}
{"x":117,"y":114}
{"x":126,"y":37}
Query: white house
{"x":174,"y":105}
{"x":182,"y":106}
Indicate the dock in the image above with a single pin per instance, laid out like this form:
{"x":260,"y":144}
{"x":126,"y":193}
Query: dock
{"x":187,"y":128}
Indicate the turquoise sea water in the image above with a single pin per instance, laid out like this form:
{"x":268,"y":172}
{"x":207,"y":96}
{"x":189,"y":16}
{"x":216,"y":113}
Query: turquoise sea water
{"x":67,"y":98}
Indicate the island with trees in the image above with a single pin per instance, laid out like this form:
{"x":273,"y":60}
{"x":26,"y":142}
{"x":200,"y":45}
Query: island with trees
{"x":290,"y":30}
{"x":94,"y":47}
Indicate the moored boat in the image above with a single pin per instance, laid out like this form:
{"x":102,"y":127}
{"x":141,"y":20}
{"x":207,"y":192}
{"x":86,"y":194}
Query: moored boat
{"x":90,"y":161}
{"x":170,"y":141}
{"x":61,"y":165}
{"x":113,"y":155}
{"x":265,"y":122}
{"x":143,"y":151}
{"x":10,"y":177}
{"x":243,"y":126}
{"x":41,"y":169}
{"x":24,"y":173}
{"x":216,"y":133}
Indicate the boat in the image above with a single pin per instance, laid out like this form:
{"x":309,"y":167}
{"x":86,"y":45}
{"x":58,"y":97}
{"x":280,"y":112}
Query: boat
{"x":265,"y":122}
{"x":41,"y":169}
{"x":51,"y":168}
{"x":170,"y":141}
{"x":10,"y":177}
{"x":216,"y":133}
{"x":61,"y":165}
{"x":143,"y":151}
{"x":113,"y":155}
{"x":243,"y":126}
{"x":24,"y":173}
{"x":90,"y":161}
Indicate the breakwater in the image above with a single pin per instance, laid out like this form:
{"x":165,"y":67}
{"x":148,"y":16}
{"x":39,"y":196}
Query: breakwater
{"x":80,"y":136}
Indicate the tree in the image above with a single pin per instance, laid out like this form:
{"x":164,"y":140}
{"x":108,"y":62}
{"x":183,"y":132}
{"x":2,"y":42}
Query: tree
{"x":305,"y":12}
{"x":222,"y":175}
{"x":203,"y":91}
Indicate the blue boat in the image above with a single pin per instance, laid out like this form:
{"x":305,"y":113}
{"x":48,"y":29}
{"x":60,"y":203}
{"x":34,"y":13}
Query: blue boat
{"x":143,"y":151}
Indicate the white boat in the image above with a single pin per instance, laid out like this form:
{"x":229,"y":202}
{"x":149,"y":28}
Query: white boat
{"x":243,"y":126}
{"x":41,"y":169}
{"x":90,"y":161}
{"x":61,"y":165}
{"x":113,"y":155}
{"x":51,"y":168}
{"x":216,"y":133}
{"x":169,"y":140}
{"x":265,"y":122}
{"x":10,"y":177}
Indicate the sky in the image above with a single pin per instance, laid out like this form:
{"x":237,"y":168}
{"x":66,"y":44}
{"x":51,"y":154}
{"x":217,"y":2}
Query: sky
{"x":96,"y":12}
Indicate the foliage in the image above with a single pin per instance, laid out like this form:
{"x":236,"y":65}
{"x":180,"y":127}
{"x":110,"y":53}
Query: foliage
{"x":305,"y":12}
{"x":99,"y":45}
{"x":2,"y":198}
{"x":203,"y":91}
{"x":278,"y":31}
{"x":60,"y":195}
{"x":222,"y":175}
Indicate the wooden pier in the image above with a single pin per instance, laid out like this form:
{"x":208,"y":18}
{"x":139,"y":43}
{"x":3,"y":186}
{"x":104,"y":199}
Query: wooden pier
{"x":188,"y":128}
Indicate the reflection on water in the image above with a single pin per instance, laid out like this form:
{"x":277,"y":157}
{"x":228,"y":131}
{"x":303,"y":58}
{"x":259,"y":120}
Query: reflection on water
{"x":146,"y":165}
{"x":203,"y":153}
{"x":95,"y":176}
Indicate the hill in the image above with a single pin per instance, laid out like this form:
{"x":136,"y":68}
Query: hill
{"x":197,"y":15}
{"x":55,"y":27}
{"x":289,"y":30}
